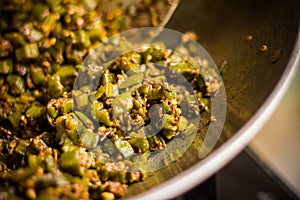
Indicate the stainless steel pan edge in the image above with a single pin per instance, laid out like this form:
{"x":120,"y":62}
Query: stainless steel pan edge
{"x":221,"y":156}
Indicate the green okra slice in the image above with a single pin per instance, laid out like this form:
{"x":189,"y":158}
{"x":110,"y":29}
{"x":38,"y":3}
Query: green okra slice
{"x":89,"y":139}
{"x":122,"y":103}
{"x":17,"y":39}
{"x":40,"y":11}
{"x":131,"y":80}
{"x":67,"y":106}
{"x":16,"y":84}
{"x":35,"y":112}
{"x":66,"y":71}
{"x":103,"y":117}
{"x":82,"y":38}
{"x":124,"y":147}
{"x":49,"y":22}
{"x":22,"y":147}
{"x":37,"y":75}
{"x":15,"y":119}
{"x":55,"y":88}
{"x":28,"y":51}
{"x":140,"y":143}
{"x":75,"y":162}
{"x":6,"y":66}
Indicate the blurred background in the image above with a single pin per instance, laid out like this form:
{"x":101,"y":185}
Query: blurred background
{"x":278,"y":143}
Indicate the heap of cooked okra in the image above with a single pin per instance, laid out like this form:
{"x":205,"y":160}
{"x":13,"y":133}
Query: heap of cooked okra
{"x":50,"y":151}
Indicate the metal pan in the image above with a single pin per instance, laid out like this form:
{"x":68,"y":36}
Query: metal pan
{"x":255,"y":80}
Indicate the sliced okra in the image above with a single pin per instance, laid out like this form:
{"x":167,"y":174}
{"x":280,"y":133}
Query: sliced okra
{"x":122,"y":103}
{"x":75,"y":162}
{"x":89,"y":139}
{"x":6,"y":66}
{"x":55,"y":88}
{"x":16,"y":84}
{"x":37,"y":75}
{"x":103,"y":116}
{"x":28,"y":51}
{"x":15,"y":119}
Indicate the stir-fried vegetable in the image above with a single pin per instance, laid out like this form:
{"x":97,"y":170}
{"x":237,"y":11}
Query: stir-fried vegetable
{"x":48,"y":149}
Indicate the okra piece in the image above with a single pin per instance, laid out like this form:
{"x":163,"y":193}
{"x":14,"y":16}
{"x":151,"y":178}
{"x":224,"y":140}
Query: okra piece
{"x":67,"y":127}
{"x":49,"y":22}
{"x":124,"y":147}
{"x":168,"y":121}
{"x":55,"y":88}
{"x":116,"y":171}
{"x":169,"y":93}
{"x":6,"y":66}
{"x":109,"y":90}
{"x":67,"y":106}
{"x":155,"y":94}
{"x":34,"y":161}
{"x":22,"y":147}
{"x":169,"y":134}
{"x":52,"y":111}
{"x":35,"y":112}
{"x":156,"y":142}
{"x":182,"y":68}
{"x":145,"y":89}
{"x":140,"y":143}
{"x":75,"y":162}
{"x":37,"y":75}
{"x":66,"y":71}
{"x":82,"y":38}
{"x":167,"y":107}
{"x":103,"y":117}
{"x":58,"y":106}
{"x":108,"y":77}
{"x":122,"y":103}
{"x":15,"y":119}
{"x":89,"y":139}
{"x":94,"y":180}
{"x":131,"y":81}
{"x":100,"y":91}
{"x":40,"y":11}
{"x":135,"y":57}
{"x":16,"y":84}
{"x":56,"y":50}
{"x":157,"y":55}
{"x":28,"y":51}
{"x":17,"y":39}
{"x":126,"y":64}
